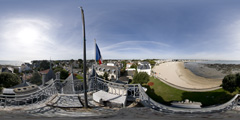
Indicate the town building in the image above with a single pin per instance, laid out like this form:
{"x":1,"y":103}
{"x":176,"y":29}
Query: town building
{"x":113,"y":71}
{"x":144,"y":67}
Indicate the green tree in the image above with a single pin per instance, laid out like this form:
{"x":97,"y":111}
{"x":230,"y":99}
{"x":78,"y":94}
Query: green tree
{"x":57,"y":69}
{"x":16,"y":70}
{"x":71,"y":61}
{"x":35,"y":79}
{"x":44,"y":65}
{"x":229,"y":83}
{"x":105,"y":75}
{"x":134,"y":65}
{"x":64,"y":74}
{"x":122,"y":71}
{"x":141,"y":78}
{"x":9,"y":80}
{"x":238,"y":79}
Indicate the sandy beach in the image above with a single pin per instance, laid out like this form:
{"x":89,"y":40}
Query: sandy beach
{"x":175,"y":73}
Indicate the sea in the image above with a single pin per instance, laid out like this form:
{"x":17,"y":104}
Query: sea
{"x":219,"y":62}
{"x":199,"y":69}
{"x":12,"y":62}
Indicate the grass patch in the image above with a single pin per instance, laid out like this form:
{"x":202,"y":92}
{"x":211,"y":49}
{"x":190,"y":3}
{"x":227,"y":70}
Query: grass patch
{"x":79,"y":77}
{"x":165,"y":94}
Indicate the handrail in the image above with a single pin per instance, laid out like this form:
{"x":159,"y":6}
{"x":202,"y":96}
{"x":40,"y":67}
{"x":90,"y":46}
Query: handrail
{"x":29,"y":94}
{"x":136,"y":91}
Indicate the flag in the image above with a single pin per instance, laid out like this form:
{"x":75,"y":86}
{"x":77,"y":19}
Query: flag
{"x":98,"y":55}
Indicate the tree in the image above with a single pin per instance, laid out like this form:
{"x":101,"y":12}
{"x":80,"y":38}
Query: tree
{"x":16,"y":70}
{"x":134,"y":65}
{"x":105,"y":75}
{"x":122,"y":71}
{"x":71,"y":61}
{"x":238,"y":79}
{"x":141,"y":78}
{"x":57,"y":69}
{"x":44,"y":65}
{"x":229,"y":83}
{"x":63,"y":74}
{"x":35,"y":79}
{"x":9,"y":80}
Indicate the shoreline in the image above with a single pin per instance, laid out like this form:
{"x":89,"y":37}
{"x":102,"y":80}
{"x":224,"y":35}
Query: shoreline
{"x":176,"y":74}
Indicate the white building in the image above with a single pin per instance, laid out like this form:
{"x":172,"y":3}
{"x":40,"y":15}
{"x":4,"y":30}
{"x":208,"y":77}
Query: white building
{"x":25,"y":67}
{"x":113,"y":71}
{"x":128,"y":65}
{"x":144,"y":67}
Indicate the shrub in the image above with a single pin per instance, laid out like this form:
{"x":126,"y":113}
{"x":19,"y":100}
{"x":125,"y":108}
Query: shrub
{"x":229,"y":83}
{"x":9,"y":80}
{"x":141,"y":78}
{"x":36,"y":79}
{"x":238,"y":79}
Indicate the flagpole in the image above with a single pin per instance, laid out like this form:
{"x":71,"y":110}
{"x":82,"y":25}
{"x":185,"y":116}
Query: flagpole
{"x":95,"y":65}
{"x":84,"y":61}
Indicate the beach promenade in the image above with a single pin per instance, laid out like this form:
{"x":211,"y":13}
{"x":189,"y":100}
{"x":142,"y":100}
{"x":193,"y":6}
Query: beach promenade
{"x":175,"y":75}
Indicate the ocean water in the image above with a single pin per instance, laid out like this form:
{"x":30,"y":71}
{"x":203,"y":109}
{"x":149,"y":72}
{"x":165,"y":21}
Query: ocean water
{"x":220,"y":62}
{"x":11,"y":62}
{"x":199,"y":69}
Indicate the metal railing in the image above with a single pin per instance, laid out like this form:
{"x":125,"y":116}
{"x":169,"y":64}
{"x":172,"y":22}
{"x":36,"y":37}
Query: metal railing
{"x":29,"y":98}
{"x":132,"y":91}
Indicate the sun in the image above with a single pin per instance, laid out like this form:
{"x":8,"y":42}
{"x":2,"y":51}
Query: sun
{"x":27,"y":35}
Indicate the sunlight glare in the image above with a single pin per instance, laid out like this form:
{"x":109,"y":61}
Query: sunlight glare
{"x":28,"y":35}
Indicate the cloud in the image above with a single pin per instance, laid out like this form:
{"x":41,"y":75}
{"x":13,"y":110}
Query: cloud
{"x":26,"y":39}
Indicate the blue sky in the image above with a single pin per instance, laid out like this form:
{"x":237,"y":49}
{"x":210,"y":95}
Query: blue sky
{"x":124,"y":29}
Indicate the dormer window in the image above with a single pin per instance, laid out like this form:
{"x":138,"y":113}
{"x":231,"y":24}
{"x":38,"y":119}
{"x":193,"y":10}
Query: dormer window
{"x":113,"y":71}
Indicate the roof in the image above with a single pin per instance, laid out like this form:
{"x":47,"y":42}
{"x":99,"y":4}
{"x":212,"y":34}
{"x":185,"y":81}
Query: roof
{"x":145,"y":62}
{"x":145,"y":66}
{"x":22,"y":85}
{"x":44,"y":71}
{"x":111,"y":68}
{"x":49,"y":74}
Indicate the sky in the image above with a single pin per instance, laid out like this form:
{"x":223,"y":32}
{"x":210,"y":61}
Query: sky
{"x":123,"y":29}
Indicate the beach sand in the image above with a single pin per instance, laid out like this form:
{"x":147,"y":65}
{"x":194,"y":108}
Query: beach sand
{"x":175,"y":73}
